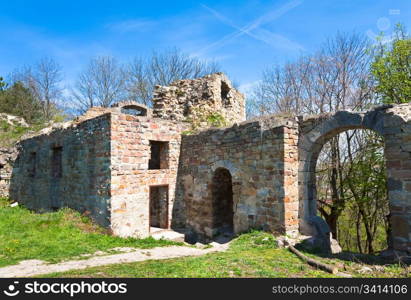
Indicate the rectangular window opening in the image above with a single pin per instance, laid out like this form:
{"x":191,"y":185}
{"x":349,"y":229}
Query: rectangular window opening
{"x":158,"y":155}
{"x":32,"y":164}
{"x":56,"y":162}
{"x":159,"y":206}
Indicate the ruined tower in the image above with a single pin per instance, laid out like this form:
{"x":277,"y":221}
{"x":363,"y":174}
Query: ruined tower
{"x":200,"y":101}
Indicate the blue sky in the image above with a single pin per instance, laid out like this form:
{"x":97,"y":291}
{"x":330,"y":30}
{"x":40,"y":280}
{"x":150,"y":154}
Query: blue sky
{"x":245,"y":37}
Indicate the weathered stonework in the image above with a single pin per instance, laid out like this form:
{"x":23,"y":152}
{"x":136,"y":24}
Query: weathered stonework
{"x":194,"y":100}
{"x":391,"y":122}
{"x":8,"y":152}
{"x":131,"y":178}
{"x":132,"y":169}
{"x":7,"y":158}
{"x":78,"y":176}
{"x":262,"y":173}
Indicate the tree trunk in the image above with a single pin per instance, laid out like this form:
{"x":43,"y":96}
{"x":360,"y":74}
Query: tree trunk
{"x":367,"y":232}
{"x":358,"y":223}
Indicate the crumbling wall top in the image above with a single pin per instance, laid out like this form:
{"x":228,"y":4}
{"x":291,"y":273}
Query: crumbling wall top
{"x":198,"y":99}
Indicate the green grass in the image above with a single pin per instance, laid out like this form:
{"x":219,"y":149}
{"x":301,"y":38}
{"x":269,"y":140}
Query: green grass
{"x":65,"y":234}
{"x":10,"y":134}
{"x":56,"y":236}
{"x":253,"y":254}
{"x":250,"y":255}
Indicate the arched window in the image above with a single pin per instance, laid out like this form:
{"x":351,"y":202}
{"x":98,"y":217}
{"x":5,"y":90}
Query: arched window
{"x":134,"y":110}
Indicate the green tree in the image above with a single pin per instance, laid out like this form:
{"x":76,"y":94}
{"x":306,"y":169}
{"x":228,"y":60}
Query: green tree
{"x":3,"y":85}
{"x":19,"y":101}
{"x":392,"y":69}
{"x":366,"y":182}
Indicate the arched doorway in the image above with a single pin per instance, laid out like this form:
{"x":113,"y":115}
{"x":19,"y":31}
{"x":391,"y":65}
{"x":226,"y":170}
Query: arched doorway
{"x":394,"y":128}
{"x":351,"y":188}
{"x":222,"y":202}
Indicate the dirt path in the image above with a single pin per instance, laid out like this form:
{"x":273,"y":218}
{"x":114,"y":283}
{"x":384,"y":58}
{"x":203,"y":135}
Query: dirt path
{"x":29,"y":268}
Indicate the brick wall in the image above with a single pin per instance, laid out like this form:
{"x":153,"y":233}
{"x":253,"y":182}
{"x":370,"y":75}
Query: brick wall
{"x":77,"y":177}
{"x":264,"y":176}
{"x":131,"y":177}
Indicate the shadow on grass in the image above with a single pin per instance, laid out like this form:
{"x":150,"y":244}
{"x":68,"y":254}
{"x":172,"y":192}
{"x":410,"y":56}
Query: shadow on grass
{"x":369,"y":259}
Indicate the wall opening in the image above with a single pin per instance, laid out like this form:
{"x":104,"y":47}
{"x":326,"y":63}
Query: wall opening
{"x":32,"y":164}
{"x":351,"y":190}
{"x":225,"y":89}
{"x":158,"y":155}
{"x":159,"y":206}
{"x":134,"y":110}
{"x":222,"y":202}
{"x":56,"y":162}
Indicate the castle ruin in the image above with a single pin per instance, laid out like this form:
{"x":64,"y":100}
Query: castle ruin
{"x":133,"y":168}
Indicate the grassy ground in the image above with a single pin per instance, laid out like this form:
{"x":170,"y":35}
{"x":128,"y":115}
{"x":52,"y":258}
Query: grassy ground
{"x":9,"y":134}
{"x":251,"y":255}
{"x":55,"y":236}
{"x":66,"y":234}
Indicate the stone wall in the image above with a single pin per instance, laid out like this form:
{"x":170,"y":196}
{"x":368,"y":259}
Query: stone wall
{"x":67,"y":166}
{"x":131,"y":177}
{"x":128,"y":107}
{"x":8,"y":151}
{"x":7,"y":158}
{"x":391,"y":122}
{"x":106,"y":162}
{"x":196,"y":99}
{"x":262,"y":174}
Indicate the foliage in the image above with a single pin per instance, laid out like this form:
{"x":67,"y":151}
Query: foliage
{"x":360,"y":195}
{"x":216,"y":120}
{"x":201,"y":118}
{"x":54,"y":236}
{"x":3,"y":85}
{"x":392,"y":69}
{"x":346,"y":72}
{"x":367,"y":185}
{"x":43,"y":79}
{"x":336,"y":77}
{"x":18,"y":100}
{"x":10,"y":134}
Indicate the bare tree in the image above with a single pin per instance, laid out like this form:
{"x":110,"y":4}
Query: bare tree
{"x":162,"y":69}
{"x":336,"y":77}
{"x":139,"y":86}
{"x":44,"y":81}
{"x":102,"y":83}
{"x":48,"y":77}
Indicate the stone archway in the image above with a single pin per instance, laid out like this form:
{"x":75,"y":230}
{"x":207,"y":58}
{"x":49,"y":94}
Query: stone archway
{"x":390,"y":122}
{"x":222,"y":202}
